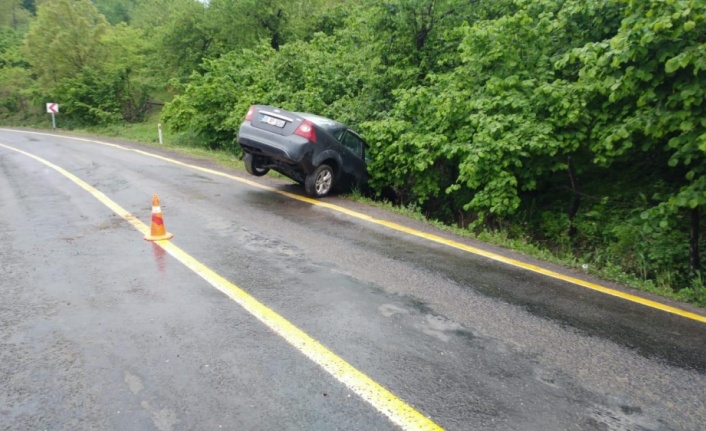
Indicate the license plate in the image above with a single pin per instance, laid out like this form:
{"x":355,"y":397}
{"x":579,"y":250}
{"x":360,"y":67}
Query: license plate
{"x":273,"y":121}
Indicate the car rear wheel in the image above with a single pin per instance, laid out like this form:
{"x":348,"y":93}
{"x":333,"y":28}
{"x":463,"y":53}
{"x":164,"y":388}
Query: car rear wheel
{"x":320,"y":182}
{"x":253,"y":167}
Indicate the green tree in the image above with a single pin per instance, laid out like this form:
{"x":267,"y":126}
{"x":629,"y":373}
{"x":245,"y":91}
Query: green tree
{"x":17,"y":14}
{"x":115,"y":11}
{"x":15,"y":76}
{"x":208,"y":101}
{"x":97,"y":72}
{"x":500,"y":119}
{"x":186,"y":33}
{"x":242,"y":23}
{"x":649,"y":102}
{"x":185,"y":41}
{"x":316,"y":76}
{"x":64,"y":39}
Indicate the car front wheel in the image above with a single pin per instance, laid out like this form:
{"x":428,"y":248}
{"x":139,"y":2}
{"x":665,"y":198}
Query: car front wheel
{"x":320,"y":182}
{"x":253,"y":167}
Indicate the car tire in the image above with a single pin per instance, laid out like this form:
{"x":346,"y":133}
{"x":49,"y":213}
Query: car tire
{"x":320,"y":182}
{"x":253,"y":167}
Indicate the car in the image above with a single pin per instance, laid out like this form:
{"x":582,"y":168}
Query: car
{"x":320,"y":153}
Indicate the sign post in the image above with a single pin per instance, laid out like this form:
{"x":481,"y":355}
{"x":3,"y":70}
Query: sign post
{"x":159,"y":131}
{"x":53,"y":108}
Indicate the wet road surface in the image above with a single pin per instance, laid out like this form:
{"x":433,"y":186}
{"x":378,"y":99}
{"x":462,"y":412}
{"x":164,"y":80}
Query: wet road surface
{"x":100,"y":329}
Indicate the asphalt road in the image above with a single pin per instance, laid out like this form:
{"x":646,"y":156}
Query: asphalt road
{"x":100,"y":329}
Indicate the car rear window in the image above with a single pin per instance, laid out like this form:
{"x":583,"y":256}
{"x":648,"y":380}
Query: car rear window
{"x":338,"y":133}
{"x":325,"y":123}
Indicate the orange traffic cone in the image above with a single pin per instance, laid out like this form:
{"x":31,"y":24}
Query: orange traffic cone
{"x":157,"y":230}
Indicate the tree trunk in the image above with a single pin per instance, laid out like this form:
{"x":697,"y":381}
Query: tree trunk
{"x":695,"y":262}
{"x":575,"y":200}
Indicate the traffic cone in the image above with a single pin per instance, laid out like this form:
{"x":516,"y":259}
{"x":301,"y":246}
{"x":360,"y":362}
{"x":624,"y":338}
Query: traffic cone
{"x":157,"y":230}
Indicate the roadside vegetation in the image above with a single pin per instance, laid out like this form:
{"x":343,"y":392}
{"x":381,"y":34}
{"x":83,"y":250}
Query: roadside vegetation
{"x":572,"y":130}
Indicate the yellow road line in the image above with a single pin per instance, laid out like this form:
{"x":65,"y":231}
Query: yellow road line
{"x":414,"y":232}
{"x":384,"y":401}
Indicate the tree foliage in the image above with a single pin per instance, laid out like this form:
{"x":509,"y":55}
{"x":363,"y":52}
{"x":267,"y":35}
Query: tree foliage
{"x":15,"y":75}
{"x":14,"y":15}
{"x":115,"y":11}
{"x":648,"y":85}
{"x":64,"y":39}
{"x":96,"y":70}
{"x":310,"y":76}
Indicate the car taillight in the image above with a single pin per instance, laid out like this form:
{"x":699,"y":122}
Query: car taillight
{"x":306,"y":130}
{"x":251,"y":111}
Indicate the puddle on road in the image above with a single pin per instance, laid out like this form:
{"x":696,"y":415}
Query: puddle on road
{"x":619,"y":418}
{"x":389,"y":310}
{"x":200,"y":178}
{"x":426,"y":322}
{"x":438,"y":327}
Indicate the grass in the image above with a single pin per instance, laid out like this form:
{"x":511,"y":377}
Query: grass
{"x":148,"y":133}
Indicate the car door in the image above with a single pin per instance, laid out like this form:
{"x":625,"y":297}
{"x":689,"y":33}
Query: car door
{"x":354,"y":157}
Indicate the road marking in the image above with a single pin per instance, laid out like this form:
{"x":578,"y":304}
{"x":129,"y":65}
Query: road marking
{"x":384,"y":401}
{"x":401,"y":228}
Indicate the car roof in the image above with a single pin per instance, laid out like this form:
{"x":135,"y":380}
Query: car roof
{"x":320,"y":121}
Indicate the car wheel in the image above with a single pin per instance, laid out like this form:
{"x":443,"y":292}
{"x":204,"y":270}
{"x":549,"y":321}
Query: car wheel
{"x":320,"y":182}
{"x":253,"y":167}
